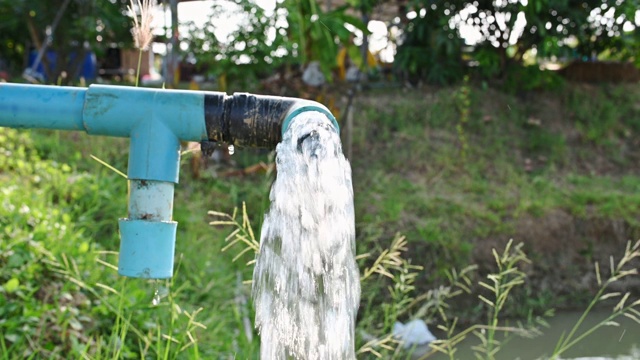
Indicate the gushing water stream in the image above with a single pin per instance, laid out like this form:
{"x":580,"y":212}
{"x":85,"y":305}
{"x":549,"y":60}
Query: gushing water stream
{"x":306,"y":285}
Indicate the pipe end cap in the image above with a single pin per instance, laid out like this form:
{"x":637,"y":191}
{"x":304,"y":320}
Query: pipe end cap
{"x":147,"y":248}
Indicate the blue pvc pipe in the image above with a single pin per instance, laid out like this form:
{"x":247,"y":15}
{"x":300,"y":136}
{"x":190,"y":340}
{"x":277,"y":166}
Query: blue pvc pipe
{"x":41,"y":107}
{"x":116,"y":110}
{"x":155,"y":120}
{"x":148,"y":236}
{"x":102,"y":109}
{"x":147,"y":248}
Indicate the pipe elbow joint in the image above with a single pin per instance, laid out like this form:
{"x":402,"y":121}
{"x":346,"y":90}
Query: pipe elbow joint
{"x":301,"y":106}
{"x":254,"y":120}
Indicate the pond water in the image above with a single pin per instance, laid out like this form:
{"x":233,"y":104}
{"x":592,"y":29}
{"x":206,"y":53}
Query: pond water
{"x":610,"y":343}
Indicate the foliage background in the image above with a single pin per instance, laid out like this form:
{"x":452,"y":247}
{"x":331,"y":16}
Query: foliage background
{"x":481,"y":145}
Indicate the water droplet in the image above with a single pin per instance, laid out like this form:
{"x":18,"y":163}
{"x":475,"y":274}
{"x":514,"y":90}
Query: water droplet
{"x":159,"y":293}
{"x":232,"y":149}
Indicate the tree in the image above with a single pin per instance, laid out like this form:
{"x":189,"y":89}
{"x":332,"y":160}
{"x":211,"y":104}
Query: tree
{"x":252,"y":50}
{"x":552,"y":27}
{"x":296,"y":32}
{"x":83,"y":26}
{"x":430,"y":48}
{"x":611,"y":30}
{"x":503,"y":31}
{"x":319,"y":34}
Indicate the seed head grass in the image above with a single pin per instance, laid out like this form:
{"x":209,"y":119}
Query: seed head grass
{"x":141,"y":31}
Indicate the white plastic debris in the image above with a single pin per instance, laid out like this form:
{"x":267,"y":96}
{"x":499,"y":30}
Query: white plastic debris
{"x":413,"y":333}
{"x":313,"y":75}
{"x":353,"y":74}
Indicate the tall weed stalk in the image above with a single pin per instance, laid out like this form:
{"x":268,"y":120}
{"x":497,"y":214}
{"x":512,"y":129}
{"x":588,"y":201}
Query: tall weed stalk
{"x":499,"y":285}
{"x":624,"y":307}
{"x":376,"y":321}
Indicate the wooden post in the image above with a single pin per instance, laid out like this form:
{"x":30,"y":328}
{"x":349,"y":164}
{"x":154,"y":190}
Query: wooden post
{"x":172,"y":49}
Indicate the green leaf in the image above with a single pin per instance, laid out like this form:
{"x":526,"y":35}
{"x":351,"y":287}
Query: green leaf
{"x":12,"y":285}
{"x":489,"y":302}
{"x":15,"y":260}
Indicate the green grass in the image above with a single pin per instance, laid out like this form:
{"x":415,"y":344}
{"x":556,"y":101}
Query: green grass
{"x":60,"y":295}
{"x":526,"y":160}
{"x":61,"y":298}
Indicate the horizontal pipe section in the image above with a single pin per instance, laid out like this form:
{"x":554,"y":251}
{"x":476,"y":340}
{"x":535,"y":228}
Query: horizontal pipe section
{"x":117,"y":110}
{"x":41,"y":107}
{"x":245,"y":119}
{"x":241,"y":119}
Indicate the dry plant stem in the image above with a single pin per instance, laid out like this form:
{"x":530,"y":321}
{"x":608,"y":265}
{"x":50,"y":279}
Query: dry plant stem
{"x":617,"y":273}
{"x":455,"y":340}
{"x":372,"y":343}
{"x":73,"y":276}
{"x":508,"y":277}
{"x":390,"y":258}
{"x":243,"y":233}
{"x":138,"y":71}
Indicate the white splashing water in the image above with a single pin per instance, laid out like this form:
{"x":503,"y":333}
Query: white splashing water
{"x":306,"y":284}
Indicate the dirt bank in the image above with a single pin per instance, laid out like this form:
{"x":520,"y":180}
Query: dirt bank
{"x":463,"y":170}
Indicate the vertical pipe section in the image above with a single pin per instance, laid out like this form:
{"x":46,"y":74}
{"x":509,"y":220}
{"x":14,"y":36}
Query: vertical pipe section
{"x":41,"y":107}
{"x":155,"y":120}
{"x":147,"y":244}
{"x":148,"y":234}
